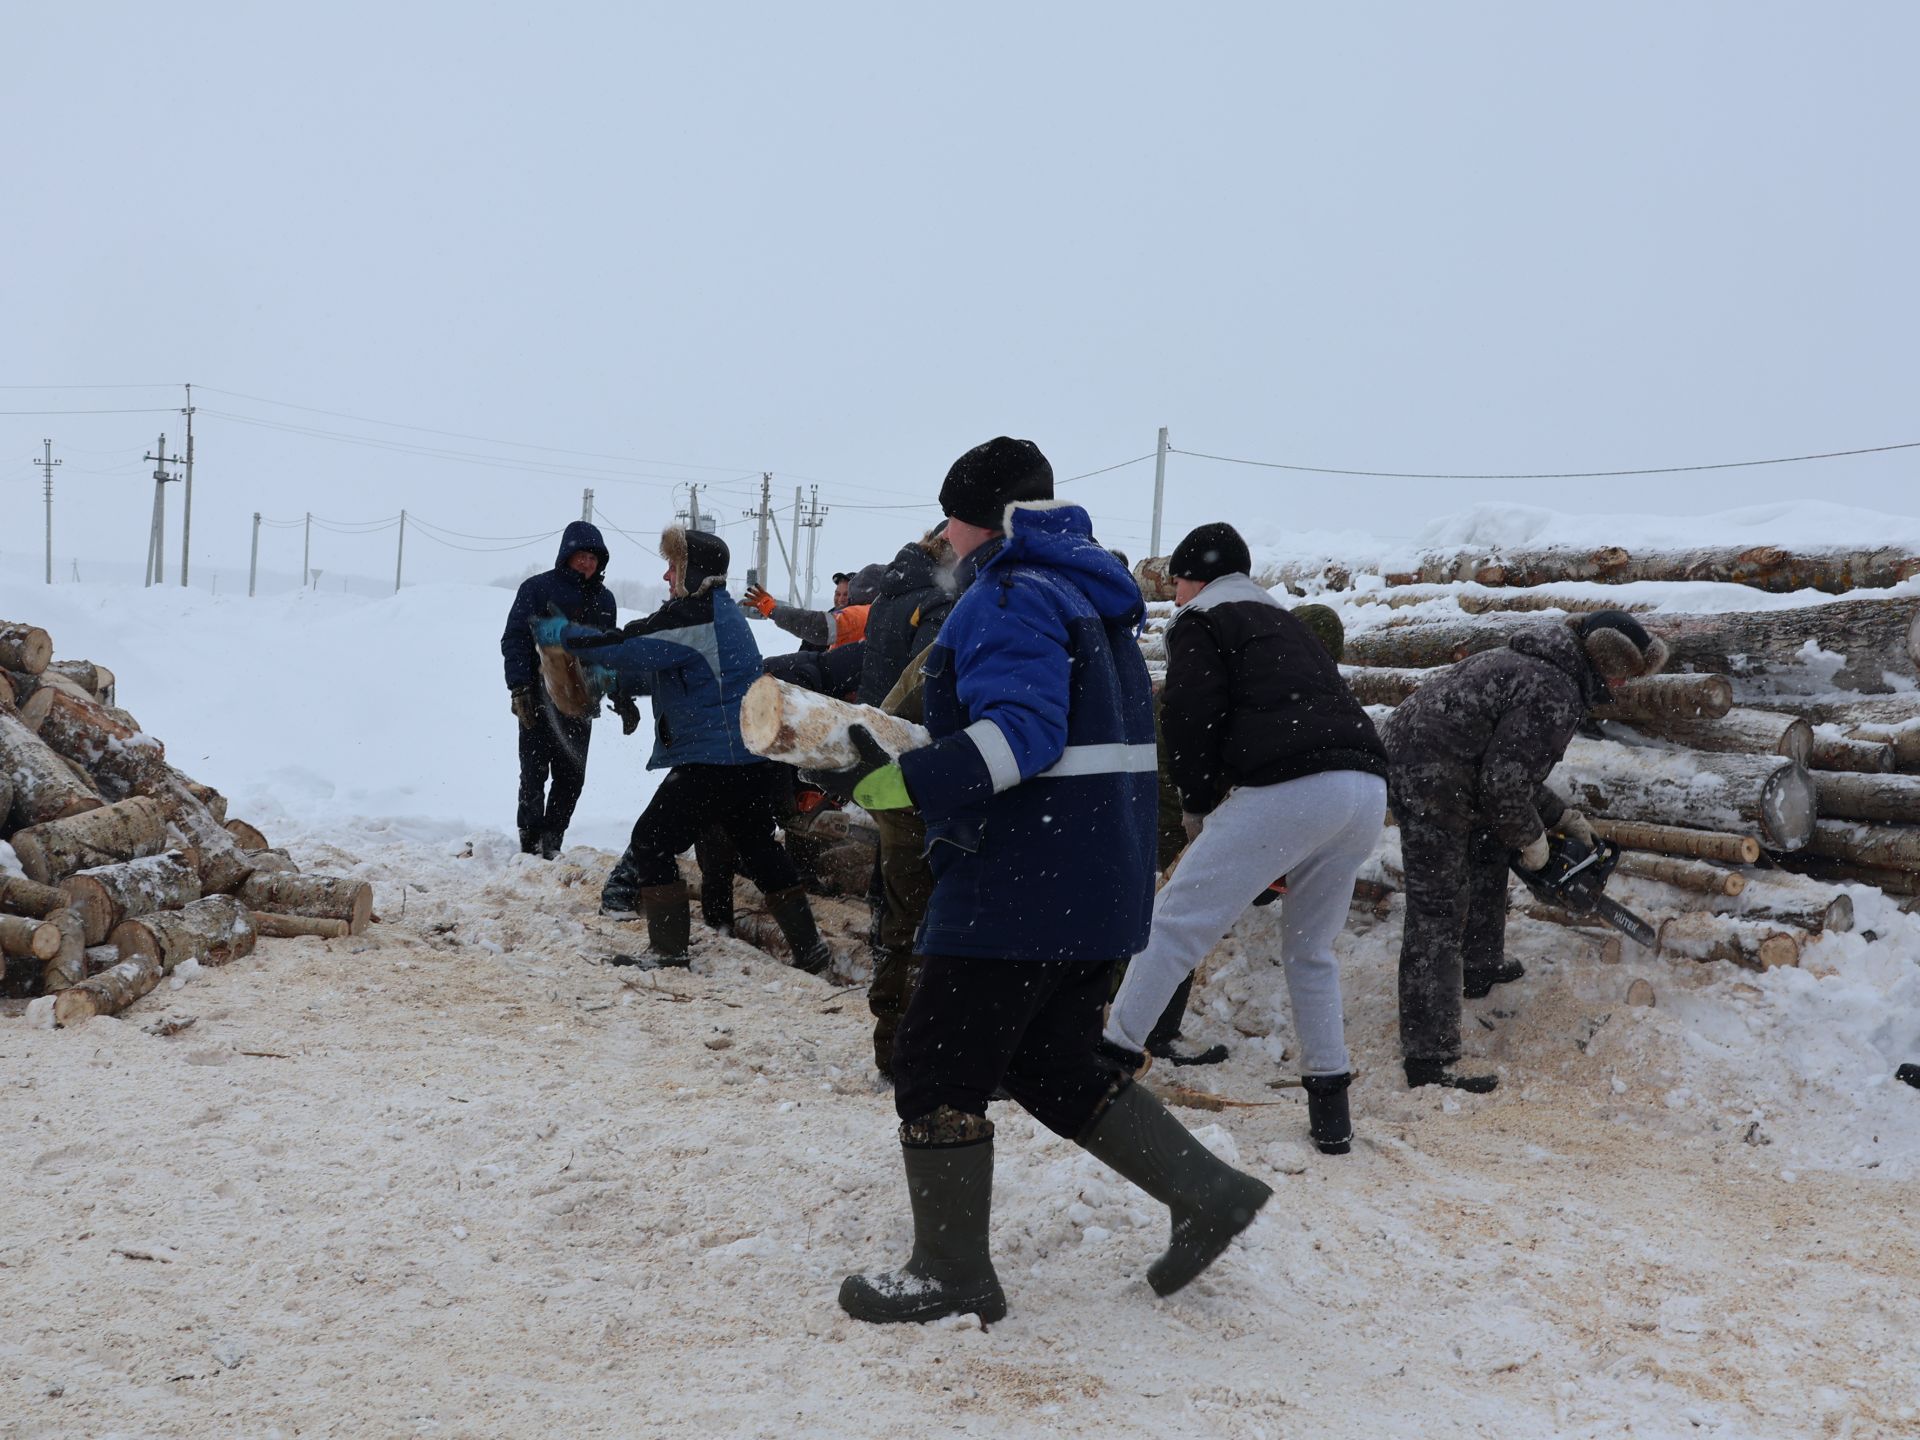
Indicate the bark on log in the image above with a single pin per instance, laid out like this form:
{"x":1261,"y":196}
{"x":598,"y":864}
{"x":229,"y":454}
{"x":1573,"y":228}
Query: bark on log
{"x":1792,"y":900}
{"x":43,"y":787}
{"x":1893,"y":721}
{"x":33,"y":710}
{"x":1766,"y":795}
{"x":272,"y":862}
{"x":1612,"y":946}
{"x":20,"y":896}
{"x":566,"y":683}
{"x":215,"y":802}
{"x":245,"y":836}
{"x":1695,"y":697}
{"x":25,"y":648}
{"x":213,"y":931}
{"x":28,"y":939}
{"x":1869,"y":797}
{"x":69,"y":965}
{"x":107,"y":993}
{"x":128,"y":830}
{"x":325,"y":897}
{"x":1840,"y":872}
{"x":286,"y":927}
{"x":1694,"y":875}
{"x":1385,"y":684}
{"x":1770,"y":568}
{"x":1884,"y":847}
{"x":784,"y":722}
{"x":106,"y":895}
{"x":1499,"y":602}
{"x":1754,"y":944}
{"x":1679,"y":840}
{"x":1740,"y":731}
{"x":88,"y":734}
{"x":96,"y":680}
{"x":100,"y":959}
{"x":1834,"y":751}
{"x":224,"y":867}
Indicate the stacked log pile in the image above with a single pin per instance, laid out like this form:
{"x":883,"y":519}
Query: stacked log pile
{"x":131,"y":868}
{"x":1778,"y":759}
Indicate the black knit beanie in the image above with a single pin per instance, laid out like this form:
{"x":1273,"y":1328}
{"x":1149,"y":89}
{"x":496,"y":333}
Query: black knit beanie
{"x":1210,"y":552}
{"x":989,"y":477}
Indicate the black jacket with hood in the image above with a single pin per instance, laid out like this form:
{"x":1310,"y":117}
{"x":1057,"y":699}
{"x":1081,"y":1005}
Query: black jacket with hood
{"x":582,"y":599}
{"x":903,"y":618}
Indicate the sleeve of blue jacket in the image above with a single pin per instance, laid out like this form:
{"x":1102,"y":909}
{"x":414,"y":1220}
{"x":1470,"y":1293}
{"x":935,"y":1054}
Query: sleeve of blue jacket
{"x":632,"y":659}
{"x":516,"y":641}
{"x":1013,"y":674}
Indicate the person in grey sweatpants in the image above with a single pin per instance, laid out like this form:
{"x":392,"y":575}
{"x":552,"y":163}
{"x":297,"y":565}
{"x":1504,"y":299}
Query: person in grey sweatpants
{"x":1280,"y":773}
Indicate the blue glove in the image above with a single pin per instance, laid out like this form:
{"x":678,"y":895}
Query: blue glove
{"x":548,"y":629}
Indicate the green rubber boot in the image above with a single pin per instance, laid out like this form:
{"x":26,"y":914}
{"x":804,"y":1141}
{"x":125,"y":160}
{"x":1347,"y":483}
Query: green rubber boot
{"x":949,"y":1272}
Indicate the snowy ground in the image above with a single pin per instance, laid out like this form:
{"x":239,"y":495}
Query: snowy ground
{"x":455,"y":1178}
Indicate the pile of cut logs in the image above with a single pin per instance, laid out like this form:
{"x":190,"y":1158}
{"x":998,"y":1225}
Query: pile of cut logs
{"x":131,"y":867}
{"x":1778,"y":758}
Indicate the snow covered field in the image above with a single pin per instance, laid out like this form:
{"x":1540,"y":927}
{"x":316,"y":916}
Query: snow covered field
{"x":455,"y":1178}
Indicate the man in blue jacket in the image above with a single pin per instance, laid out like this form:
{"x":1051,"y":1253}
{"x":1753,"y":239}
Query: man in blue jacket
{"x":1039,"y":796}
{"x":552,"y":743}
{"x":695,"y":656}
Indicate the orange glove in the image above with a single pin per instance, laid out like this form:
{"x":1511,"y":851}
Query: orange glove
{"x":758,"y":599}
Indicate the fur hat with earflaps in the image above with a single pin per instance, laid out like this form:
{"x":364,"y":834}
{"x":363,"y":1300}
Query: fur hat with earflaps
{"x":1618,"y":646}
{"x":700,"y":559}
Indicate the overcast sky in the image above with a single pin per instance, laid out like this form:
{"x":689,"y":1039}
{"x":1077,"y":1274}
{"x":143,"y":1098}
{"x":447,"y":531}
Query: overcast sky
{"x":845,"y":242}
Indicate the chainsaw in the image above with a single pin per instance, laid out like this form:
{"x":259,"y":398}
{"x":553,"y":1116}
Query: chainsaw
{"x":1575,"y":880}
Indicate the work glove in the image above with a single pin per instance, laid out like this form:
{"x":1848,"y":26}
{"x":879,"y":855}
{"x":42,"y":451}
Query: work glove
{"x":758,"y":600}
{"x":1128,"y":1061}
{"x":1193,"y":824}
{"x":1534,"y":854}
{"x":875,"y":783}
{"x":526,"y":706}
{"x":628,"y":712}
{"x":1575,"y":826}
{"x":548,"y":629}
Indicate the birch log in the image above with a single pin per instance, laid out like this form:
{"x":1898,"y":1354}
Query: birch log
{"x":33,"y":709}
{"x":1609,"y":940}
{"x":128,"y":830}
{"x":43,"y":787}
{"x":1869,"y":797}
{"x":108,"y":894}
{"x":25,"y":648}
{"x":88,"y":734}
{"x":1659,"y":697}
{"x":245,"y":836}
{"x":1385,"y":684}
{"x":1751,"y":943}
{"x":1885,"y":847}
{"x":69,"y":965}
{"x":786,"y":723}
{"x":28,"y":939}
{"x":325,"y":897}
{"x":1739,"y":731}
{"x":1786,"y":899}
{"x":566,"y":683}
{"x":223,"y":865}
{"x":1508,"y":601}
{"x":1891,"y":721}
{"x":1772,"y":568}
{"x":213,"y":931}
{"x":1766,"y":795}
{"x":1694,"y":875}
{"x":1841,"y":872}
{"x":287,"y":927}
{"x":107,"y":993}
{"x":20,"y":896}
{"x":1678,"y":840}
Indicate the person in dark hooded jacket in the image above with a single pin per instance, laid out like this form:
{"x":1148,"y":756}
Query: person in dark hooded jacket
{"x":1470,"y":752}
{"x":915,"y":593}
{"x":551,"y":744}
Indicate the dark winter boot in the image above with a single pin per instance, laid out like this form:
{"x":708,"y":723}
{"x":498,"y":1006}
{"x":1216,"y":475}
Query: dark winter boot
{"x":1211,"y":1202}
{"x":551,"y":844}
{"x":620,"y":896}
{"x":1441,"y":1072}
{"x":1328,"y":1120}
{"x":794,"y":916}
{"x":669,"y":924}
{"x":529,"y":842}
{"x":716,"y":904}
{"x":950,"y":1271}
{"x":1477,"y":984}
{"x":1181,"y":1051}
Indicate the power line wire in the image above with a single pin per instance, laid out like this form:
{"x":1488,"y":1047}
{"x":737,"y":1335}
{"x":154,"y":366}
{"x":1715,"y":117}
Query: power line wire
{"x":1088,"y":475}
{"x":1546,"y":475}
{"x":160,"y":410}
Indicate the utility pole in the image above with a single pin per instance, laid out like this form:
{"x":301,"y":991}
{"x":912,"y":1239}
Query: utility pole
{"x":693,"y":507}
{"x":400,"y":555}
{"x":186,"y":493}
{"x":156,"y":544}
{"x":793,"y":560}
{"x":586,"y":506}
{"x":46,"y":465}
{"x":816,"y":517}
{"x":306,"y":554}
{"x":1159,"y":491}
{"x":253,"y":565}
{"x":765,"y":516}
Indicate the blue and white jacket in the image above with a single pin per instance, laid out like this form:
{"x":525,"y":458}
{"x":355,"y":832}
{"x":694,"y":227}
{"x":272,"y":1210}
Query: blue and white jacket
{"x":695,"y":656}
{"x":1040,"y":788}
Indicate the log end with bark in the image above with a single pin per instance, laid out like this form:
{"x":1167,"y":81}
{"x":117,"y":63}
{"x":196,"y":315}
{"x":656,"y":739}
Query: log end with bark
{"x":798,"y":727}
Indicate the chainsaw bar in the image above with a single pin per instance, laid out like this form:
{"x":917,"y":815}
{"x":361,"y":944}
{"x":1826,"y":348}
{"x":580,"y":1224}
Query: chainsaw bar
{"x":1625,"y":921}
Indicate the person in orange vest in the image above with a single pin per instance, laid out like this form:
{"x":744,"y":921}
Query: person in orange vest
{"x":845,"y":624}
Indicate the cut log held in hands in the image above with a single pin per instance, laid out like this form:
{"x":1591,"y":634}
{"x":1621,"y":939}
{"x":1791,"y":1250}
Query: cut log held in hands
{"x":105,"y":896}
{"x":44,"y":788}
{"x":1751,"y":943}
{"x":20,"y":896}
{"x":128,"y":830}
{"x":1694,"y":875}
{"x":1764,"y":794}
{"x":325,"y":897}
{"x":213,"y":931}
{"x":28,"y":939}
{"x":107,"y":993}
{"x":289,"y":927}
{"x":566,"y":683}
{"x":1678,"y":840}
{"x":69,"y":965}
{"x":1885,"y":847}
{"x":25,"y":648}
{"x":1869,"y":797}
{"x":786,"y":723}
{"x":1739,"y":731}
{"x":245,"y":836}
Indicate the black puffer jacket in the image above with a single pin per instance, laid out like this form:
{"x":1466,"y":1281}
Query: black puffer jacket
{"x":1253,"y":699}
{"x":1475,"y":746}
{"x":903,"y":619}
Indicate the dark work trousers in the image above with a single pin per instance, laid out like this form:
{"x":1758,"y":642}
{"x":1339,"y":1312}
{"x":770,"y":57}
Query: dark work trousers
{"x":738,"y":799}
{"x":973,"y":1026}
{"x":713,"y":850}
{"x":556,"y":744}
{"x":1456,"y":923}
